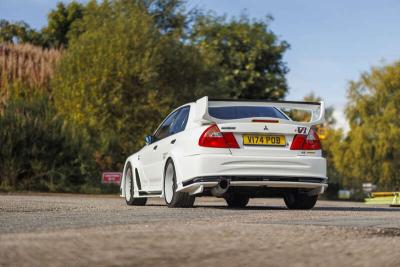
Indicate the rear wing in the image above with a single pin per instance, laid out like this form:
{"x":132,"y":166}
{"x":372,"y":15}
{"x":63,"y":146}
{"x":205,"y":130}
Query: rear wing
{"x":317,"y":109}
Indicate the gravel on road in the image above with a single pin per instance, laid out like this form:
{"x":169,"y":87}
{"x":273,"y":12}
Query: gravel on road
{"x":84,"y":230}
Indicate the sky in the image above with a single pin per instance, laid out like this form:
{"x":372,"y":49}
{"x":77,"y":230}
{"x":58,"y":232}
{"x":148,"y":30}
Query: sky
{"x":332,"y":42}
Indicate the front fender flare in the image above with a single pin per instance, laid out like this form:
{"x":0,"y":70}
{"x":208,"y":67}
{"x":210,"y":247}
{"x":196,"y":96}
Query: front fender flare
{"x":133,"y":162}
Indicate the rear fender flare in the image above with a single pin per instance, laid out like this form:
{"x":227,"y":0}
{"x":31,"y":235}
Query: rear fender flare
{"x":174,"y":155}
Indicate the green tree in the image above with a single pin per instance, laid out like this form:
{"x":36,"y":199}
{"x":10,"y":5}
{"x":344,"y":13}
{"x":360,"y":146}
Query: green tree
{"x":169,"y":15}
{"x":245,"y":55}
{"x":371,"y":151}
{"x":65,"y":21}
{"x":19,"y":32}
{"x":120,"y":77}
{"x":62,"y":22}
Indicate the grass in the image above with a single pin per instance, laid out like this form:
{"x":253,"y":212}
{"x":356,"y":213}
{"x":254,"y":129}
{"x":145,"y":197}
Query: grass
{"x":27,"y":64}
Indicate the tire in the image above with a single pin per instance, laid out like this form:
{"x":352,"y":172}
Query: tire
{"x":172,"y":198}
{"x":299,"y":201}
{"x":129,"y":186}
{"x":236,"y":200}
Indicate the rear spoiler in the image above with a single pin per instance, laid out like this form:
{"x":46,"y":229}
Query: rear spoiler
{"x":317,"y":109}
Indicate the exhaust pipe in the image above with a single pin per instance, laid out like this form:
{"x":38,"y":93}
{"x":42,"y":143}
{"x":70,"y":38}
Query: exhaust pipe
{"x":221,"y":188}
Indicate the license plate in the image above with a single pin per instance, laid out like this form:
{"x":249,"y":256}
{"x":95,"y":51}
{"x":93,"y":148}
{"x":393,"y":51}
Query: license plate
{"x":264,"y":140}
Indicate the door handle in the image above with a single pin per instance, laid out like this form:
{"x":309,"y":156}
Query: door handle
{"x":154,"y":147}
{"x":173,"y":141}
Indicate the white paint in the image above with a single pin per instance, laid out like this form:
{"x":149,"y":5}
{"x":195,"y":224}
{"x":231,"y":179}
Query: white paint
{"x":192,"y":161}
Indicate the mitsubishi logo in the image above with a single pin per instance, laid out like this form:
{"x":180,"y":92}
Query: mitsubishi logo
{"x":265,"y":128}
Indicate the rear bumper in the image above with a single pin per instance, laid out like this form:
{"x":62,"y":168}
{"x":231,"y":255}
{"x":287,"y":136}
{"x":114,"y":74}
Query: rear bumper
{"x":208,"y":165}
{"x":206,"y":170}
{"x":316,"y":184}
{"x":261,"y":180}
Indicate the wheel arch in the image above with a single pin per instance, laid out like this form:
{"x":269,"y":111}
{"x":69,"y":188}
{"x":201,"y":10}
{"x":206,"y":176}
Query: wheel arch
{"x":128,"y":162}
{"x":176,"y":155}
{"x":177,"y":165}
{"x":122,"y":185}
{"x":169,"y":158}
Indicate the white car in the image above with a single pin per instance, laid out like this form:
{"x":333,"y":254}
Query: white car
{"x":234,"y":149}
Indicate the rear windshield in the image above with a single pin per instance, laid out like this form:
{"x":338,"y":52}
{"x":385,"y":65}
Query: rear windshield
{"x":242,"y":112}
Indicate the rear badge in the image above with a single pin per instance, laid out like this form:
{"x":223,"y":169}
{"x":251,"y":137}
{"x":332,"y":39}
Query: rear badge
{"x":301,"y":130}
{"x":265,"y":128}
{"x":228,"y":128}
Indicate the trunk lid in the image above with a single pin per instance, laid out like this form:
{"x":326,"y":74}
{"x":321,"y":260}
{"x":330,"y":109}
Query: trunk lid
{"x":263,"y":139}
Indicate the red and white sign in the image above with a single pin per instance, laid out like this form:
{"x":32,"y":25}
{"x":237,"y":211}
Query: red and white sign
{"x":111,"y":177}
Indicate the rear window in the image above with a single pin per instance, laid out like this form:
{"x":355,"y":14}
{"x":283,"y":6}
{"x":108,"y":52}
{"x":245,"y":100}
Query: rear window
{"x":242,"y":112}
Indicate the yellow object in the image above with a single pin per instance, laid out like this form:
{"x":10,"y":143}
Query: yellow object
{"x":383,"y":194}
{"x":385,"y":198}
{"x":396,"y":200}
{"x":269,"y":140}
{"x":321,"y":131}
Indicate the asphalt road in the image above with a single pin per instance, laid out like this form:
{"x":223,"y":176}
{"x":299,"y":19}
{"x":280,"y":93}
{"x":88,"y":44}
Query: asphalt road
{"x":79,"y":230}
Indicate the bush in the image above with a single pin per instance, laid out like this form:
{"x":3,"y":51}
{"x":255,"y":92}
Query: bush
{"x":39,"y":151}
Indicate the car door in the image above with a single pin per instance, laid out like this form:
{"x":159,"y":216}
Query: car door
{"x":152,"y":155}
{"x":165,"y":145}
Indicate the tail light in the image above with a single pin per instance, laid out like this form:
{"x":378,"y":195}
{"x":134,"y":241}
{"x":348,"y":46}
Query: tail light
{"x":306,"y":142}
{"x":213,"y":137}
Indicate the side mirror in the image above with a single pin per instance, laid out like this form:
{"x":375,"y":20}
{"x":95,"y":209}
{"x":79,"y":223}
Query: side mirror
{"x":149,"y":139}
